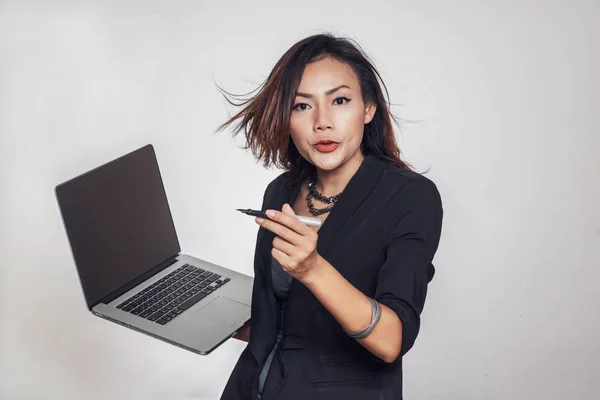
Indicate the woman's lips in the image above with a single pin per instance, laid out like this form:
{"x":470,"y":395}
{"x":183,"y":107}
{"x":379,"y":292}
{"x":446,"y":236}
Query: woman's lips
{"x":327,"y":147}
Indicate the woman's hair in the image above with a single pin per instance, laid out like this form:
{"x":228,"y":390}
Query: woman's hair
{"x":265,"y":117}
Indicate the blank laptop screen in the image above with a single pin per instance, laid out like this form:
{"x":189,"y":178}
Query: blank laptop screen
{"x":118,"y":222}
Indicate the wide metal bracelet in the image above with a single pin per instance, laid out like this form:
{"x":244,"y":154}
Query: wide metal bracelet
{"x":375,"y":317}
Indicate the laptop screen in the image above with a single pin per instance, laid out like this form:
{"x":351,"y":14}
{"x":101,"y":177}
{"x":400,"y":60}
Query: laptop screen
{"x":118,"y":222}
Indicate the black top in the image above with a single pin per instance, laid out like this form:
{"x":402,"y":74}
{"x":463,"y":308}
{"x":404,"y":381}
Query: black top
{"x":281,"y":281}
{"x":381,"y":236}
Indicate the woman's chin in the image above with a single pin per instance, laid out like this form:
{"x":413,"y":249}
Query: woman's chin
{"x":326,"y":162}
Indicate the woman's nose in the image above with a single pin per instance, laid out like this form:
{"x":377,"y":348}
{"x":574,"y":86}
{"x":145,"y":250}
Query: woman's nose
{"x":323,"y":120}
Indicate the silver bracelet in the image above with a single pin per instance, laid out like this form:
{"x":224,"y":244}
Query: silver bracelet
{"x":375,"y":317}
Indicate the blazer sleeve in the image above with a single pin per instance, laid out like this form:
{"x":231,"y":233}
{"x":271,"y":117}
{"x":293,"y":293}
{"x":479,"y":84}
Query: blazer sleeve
{"x":403,"y":278}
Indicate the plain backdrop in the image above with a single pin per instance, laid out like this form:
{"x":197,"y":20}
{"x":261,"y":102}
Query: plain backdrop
{"x":501,"y":101}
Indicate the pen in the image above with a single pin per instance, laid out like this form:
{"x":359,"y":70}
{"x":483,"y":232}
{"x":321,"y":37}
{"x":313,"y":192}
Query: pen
{"x":307,"y":220}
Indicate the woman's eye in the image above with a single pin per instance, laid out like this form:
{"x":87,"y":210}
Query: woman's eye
{"x":341,"y":100}
{"x":300,"y":106}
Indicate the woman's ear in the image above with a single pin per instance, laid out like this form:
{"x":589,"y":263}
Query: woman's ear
{"x":369,"y":112}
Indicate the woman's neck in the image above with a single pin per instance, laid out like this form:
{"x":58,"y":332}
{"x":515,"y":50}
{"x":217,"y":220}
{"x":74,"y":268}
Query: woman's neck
{"x":330,"y":183}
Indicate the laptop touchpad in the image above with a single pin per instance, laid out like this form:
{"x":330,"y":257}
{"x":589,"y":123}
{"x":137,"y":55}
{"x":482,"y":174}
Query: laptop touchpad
{"x":223,"y":310}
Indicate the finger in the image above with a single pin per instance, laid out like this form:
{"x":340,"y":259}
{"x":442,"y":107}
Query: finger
{"x":281,"y":231}
{"x":280,"y":256}
{"x":287,"y":209}
{"x":284,"y":246}
{"x":289,"y":221}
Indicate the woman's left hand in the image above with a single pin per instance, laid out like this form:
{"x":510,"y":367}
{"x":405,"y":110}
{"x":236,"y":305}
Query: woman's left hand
{"x":295,"y":244}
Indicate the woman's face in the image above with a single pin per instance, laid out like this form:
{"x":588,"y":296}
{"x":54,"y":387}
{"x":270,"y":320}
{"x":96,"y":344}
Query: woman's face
{"x":329,"y":107}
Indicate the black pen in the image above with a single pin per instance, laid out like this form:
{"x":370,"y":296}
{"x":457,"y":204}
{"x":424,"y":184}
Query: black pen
{"x":307,"y":220}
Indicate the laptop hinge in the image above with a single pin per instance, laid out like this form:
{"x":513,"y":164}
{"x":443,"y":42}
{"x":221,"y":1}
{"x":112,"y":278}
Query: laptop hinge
{"x":137,"y":281}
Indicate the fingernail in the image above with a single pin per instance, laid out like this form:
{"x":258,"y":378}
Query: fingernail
{"x":259,"y":220}
{"x":270,"y":213}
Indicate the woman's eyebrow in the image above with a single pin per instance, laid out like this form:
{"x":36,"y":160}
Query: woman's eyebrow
{"x":329,"y":92}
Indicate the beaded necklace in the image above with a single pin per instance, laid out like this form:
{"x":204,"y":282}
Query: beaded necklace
{"x":313,"y":193}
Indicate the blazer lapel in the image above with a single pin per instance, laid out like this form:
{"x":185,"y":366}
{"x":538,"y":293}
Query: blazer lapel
{"x":265,"y":304}
{"x":356,"y":192}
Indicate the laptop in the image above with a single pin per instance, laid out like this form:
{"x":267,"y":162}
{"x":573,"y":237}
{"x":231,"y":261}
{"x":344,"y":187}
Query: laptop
{"x":127,"y":254}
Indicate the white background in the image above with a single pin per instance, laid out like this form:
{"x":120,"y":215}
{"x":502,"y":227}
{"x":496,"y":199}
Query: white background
{"x":504,"y":99}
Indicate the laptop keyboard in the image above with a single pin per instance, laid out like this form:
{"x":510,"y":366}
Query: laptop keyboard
{"x":167,"y":298}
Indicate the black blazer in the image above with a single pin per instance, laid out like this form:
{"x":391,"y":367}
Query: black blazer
{"x":381,"y":236}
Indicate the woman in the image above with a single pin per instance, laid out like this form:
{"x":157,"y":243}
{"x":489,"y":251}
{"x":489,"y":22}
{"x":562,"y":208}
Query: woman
{"x":334,"y":308}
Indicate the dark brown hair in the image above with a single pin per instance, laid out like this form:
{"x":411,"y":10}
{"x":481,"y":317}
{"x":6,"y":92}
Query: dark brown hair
{"x":265,"y":117}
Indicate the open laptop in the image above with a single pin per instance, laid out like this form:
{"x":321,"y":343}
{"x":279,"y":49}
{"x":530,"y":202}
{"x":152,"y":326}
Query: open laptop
{"x":125,"y":247}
